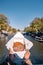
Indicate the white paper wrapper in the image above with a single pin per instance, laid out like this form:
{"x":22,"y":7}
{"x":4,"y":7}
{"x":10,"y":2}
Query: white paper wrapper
{"x":20,"y":38}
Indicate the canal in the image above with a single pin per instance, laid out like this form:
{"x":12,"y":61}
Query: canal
{"x":36,"y":50}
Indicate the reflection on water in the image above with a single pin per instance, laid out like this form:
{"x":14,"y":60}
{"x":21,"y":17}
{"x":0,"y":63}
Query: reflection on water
{"x":36,"y":50}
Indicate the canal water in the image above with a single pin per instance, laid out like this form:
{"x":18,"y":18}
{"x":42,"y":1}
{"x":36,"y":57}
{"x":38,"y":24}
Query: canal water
{"x":36,"y":50}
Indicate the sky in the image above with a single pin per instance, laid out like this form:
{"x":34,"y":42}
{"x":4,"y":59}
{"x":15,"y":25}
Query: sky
{"x":20,"y":13}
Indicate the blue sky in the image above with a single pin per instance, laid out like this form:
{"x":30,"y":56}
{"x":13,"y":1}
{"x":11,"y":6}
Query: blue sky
{"x":21,"y":12}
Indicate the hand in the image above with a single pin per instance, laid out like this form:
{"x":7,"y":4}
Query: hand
{"x":11,"y":55}
{"x":10,"y":51}
{"x":27,"y":55}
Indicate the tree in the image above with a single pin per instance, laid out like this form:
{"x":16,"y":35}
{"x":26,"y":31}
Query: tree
{"x":18,"y":30}
{"x":3,"y":18}
{"x":14,"y":30}
{"x":3,"y":22}
{"x":36,"y":24}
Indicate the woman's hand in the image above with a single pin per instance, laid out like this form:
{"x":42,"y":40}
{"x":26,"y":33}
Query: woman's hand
{"x":27,"y":55}
{"x":11,"y":55}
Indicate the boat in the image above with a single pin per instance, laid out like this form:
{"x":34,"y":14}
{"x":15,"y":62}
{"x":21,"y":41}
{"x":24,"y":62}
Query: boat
{"x":40,"y":39}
